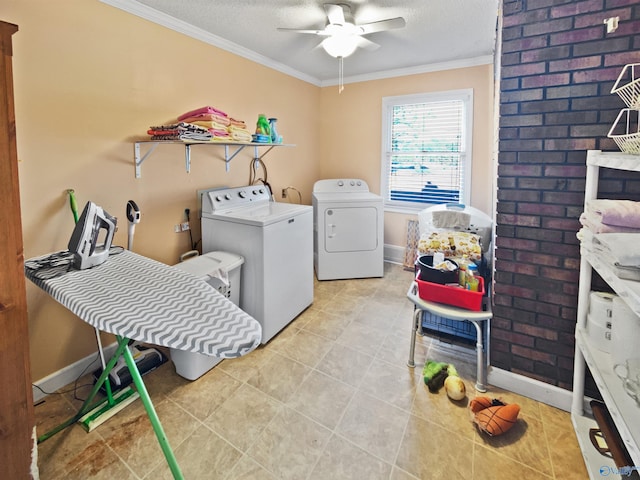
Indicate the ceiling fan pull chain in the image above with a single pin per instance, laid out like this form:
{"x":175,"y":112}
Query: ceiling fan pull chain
{"x":340,"y":74}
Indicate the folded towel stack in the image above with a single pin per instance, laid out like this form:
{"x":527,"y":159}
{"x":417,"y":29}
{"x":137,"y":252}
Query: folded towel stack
{"x":213,"y":119}
{"x":205,"y":113}
{"x":612,"y":233}
{"x":615,"y":213}
{"x":239,"y":134}
{"x":179,"y":131}
{"x":239,"y":131}
{"x":204,"y":124}
{"x":611,"y":216}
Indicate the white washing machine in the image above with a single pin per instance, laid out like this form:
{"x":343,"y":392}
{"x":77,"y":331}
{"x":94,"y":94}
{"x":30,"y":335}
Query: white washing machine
{"x":276,"y":241}
{"x":348,"y":230}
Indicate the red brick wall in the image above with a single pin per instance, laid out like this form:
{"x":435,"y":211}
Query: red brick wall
{"x":558,"y":65}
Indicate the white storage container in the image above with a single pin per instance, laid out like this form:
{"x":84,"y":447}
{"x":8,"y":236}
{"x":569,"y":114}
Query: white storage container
{"x":625,"y":338}
{"x":599,"y":320}
{"x":221,"y":270}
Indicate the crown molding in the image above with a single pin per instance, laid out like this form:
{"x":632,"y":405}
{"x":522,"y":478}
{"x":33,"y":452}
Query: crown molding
{"x":402,"y":72}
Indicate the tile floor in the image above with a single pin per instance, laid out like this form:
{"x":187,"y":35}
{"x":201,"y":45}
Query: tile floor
{"x":329,"y":398}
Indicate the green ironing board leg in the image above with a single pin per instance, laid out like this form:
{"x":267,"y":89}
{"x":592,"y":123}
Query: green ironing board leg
{"x":151,"y":412}
{"x":86,"y":406}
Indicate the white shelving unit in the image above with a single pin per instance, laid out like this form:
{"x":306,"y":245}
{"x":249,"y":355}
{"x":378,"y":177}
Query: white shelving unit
{"x":229,"y":155}
{"x":624,"y":410}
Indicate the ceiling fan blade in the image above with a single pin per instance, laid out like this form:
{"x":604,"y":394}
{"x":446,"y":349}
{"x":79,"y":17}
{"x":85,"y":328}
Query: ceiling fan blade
{"x":382,"y":25}
{"x":367,"y":44}
{"x":298,"y":30}
{"x":335,"y":14}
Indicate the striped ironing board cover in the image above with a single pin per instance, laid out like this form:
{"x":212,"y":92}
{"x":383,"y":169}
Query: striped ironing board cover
{"x":141,"y":299}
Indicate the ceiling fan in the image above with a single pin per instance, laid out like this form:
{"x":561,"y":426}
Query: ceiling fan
{"x":343,"y":35}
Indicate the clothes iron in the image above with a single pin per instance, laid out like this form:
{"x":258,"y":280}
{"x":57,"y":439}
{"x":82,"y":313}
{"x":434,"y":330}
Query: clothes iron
{"x":92,"y":236}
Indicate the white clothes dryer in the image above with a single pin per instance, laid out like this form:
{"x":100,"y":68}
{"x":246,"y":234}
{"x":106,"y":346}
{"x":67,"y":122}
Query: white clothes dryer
{"x":348,"y":230}
{"x":276,"y":241}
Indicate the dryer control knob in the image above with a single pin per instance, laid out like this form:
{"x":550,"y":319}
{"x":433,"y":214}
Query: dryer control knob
{"x":218,"y":198}
{"x":352,"y":183}
{"x":359,"y":183}
{"x":242,"y":194}
{"x":340,"y":183}
{"x":227,"y":197}
{"x":261,"y":190}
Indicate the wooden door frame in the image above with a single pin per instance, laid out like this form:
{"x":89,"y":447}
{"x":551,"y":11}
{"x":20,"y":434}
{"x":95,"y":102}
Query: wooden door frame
{"x":17,"y":423}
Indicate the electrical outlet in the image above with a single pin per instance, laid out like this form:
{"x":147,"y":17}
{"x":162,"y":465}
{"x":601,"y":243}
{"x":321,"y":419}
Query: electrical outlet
{"x":184,"y":226}
{"x":284,"y":193}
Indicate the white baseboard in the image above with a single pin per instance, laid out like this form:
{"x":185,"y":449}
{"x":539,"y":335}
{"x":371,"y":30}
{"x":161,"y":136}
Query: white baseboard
{"x":394,"y":254}
{"x":70,"y":373}
{"x":531,"y":388}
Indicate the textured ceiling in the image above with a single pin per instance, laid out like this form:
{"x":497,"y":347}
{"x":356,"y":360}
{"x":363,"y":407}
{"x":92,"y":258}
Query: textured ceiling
{"x":436,"y":32}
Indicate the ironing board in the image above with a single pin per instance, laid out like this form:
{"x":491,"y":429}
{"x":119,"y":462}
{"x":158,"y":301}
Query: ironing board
{"x":136,"y":298}
{"x":479,"y":319}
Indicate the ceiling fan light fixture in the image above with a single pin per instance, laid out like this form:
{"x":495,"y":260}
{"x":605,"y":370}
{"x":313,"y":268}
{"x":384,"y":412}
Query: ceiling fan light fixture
{"x":340,"y":45}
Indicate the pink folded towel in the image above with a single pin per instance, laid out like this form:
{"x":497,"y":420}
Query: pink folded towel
{"x":621,"y":213}
{"x":219,"y":132}
{"x":206,"y":117}
{"x":595,"y":225}
{"x":202,"y":110}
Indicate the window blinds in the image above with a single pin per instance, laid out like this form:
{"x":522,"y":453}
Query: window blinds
{"x":426,"y":157}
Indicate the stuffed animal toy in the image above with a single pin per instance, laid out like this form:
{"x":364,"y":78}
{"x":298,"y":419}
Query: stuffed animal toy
{"x":437,"y":374}
{"x":453,"y":385}
{"x":492,"y":416}
{"x":434,"y":374}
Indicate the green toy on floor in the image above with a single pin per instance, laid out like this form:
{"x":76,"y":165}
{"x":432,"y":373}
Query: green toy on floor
{"x":437,"y":374}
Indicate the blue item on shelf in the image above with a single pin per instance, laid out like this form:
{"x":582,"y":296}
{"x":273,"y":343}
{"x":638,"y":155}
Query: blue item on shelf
{"x":259,"y":138}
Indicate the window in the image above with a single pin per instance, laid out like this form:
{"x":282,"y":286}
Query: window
{"x":426,"y":149}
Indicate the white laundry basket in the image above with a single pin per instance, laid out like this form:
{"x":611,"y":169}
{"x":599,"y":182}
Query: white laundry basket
{"x":222,"y":271}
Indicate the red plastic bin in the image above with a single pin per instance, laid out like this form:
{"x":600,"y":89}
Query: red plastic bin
{"x":452,"y":295}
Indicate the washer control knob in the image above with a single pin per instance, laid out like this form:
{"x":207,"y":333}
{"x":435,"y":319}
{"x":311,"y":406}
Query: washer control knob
{"x":352,"y":183}
{"x":340,"y":183}
{"x":261,"y":190}
{"x":242,"y":193}
{"x":218,"y":198}
{"x":359,"y":183}
{"x":255,"y":192}
{"x":227,"y":197}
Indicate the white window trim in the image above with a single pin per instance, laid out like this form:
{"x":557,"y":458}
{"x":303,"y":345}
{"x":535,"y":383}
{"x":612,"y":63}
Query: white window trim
{"x":466,"y":95}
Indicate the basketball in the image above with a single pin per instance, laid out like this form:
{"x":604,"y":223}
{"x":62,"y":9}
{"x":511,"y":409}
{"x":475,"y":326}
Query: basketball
{"x":480,"y":403}
{"x":498,"y":419}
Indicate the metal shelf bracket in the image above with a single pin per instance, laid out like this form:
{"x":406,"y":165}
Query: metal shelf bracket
{"x":138,"y":159}
{"x":228,"y":158}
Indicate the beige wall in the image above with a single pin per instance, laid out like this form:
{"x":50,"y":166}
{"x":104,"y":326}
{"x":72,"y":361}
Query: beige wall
{"x":351,"y":134}
{"x":90,"y":79}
